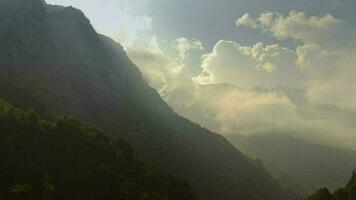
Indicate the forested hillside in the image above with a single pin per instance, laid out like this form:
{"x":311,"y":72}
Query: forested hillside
{"x":61,"y":158}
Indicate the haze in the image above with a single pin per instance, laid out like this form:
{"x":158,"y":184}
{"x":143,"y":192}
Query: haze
{"x":244,"y":67}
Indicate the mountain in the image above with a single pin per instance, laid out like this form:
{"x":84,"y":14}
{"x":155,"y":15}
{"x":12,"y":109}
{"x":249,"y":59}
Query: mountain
{"x":346,"y":193}
{"x":52,"y":60}
{"x":61,"y":158}
{"x":299,"y":164}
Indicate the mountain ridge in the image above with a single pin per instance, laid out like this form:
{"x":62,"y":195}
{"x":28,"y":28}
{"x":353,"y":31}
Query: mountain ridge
{"x":59,"y":61}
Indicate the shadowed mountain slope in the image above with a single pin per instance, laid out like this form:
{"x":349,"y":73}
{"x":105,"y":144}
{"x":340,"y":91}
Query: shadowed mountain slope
{"x":61,"y":65}
{"x":301,"y":165}
{"x":61,"y":158}
{"x":346,"y":193}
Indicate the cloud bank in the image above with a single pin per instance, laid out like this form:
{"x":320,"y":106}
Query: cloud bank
{"x":308,"y":91}
{"x":326,"y":54}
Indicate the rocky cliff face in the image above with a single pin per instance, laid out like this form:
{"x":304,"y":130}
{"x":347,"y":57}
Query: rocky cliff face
{"x":54,"y":58}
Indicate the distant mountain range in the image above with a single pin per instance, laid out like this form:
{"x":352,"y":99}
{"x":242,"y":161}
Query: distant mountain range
{"x":53,"y":61}
{"x":301,"y":165}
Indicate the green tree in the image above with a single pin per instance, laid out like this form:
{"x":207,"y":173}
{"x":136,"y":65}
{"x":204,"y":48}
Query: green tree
{"x":322,"y":194}
{"x":66,"y":159}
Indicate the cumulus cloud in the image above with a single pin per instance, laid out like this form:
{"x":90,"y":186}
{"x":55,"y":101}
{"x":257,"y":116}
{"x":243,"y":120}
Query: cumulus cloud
{"x":253,"y":111}
{"x":229,"y":110}
{"x":326,"y":54}
{"x":165,"y":63}
{"x":246,"y":20}
{"x":307,"y":91}
{"x":153,"y":63}
{"x":325,"y":31}
{"x":321,"y":67}
{"x":249,"y":66}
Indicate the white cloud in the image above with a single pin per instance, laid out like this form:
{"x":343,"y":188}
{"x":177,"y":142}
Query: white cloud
{"x":308,"y":91}
{"x":166,"y":62}
{"x":249,"y":66}
{"x":322,"y":66}
{"x":326,"y":54}
{"x":325,"y":31}
{"x":246,"y":20}
{"x":251,"y":112}
{"x":223,"y":94}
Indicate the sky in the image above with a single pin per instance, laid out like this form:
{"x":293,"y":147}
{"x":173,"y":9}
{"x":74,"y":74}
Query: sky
{"x":244,"y":66}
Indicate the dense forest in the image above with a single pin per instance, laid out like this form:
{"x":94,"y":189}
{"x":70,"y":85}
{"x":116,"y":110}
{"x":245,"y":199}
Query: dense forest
{"x":346,"y":193}
{"x":62,"y":158}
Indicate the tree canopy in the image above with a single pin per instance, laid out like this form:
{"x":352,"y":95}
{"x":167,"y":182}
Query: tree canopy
{"x":346,"y":193}
{"x":62,"y":158}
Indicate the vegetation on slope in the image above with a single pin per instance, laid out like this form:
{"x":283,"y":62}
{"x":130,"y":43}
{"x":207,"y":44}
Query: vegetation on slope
{"x":62,"y":158}
{"x":346,"y":193}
